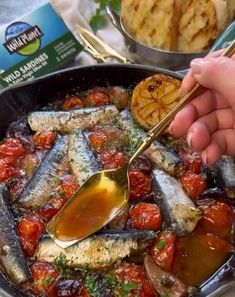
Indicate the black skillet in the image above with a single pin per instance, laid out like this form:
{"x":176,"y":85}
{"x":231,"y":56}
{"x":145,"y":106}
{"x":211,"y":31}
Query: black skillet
{"x":17,"y":101}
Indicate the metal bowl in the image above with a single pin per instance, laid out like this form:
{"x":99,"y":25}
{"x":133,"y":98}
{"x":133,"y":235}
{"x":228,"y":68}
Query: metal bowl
{"x":171,"y":60}
{"x":18,"y":100}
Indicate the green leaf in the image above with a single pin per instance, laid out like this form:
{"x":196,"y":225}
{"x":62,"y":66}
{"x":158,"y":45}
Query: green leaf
{"x":160,"y":244}
{"x":97,"y":22}
{"x":115,"y":5}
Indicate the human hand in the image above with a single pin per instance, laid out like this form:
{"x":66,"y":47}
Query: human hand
{"x":209,"y":119}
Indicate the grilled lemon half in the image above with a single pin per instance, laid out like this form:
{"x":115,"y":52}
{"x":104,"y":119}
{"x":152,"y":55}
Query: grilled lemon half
{"x":153,"y":98}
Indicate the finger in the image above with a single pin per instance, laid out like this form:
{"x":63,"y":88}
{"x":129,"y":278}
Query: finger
{"x":198,"y":136}
{"x":187,"y":83}
{"x":222,"y":143}
{"x":213,"y":73}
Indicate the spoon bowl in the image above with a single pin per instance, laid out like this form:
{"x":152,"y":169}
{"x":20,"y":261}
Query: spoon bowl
{"x":81,"y":216}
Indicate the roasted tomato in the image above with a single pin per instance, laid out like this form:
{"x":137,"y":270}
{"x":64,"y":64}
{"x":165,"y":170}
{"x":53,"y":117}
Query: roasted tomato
{"x":7,"y":171}
{"x":72,"y":102}
{"x":215,"y":243}
{"x":65,"y":288}
{"x":112,"y":159}
{"x":97,"y":98}
{"x":43,"y":274}
{"x":163,"y":250}
{"x":51,"y":208}
{"x":193,"y":184}
{"x":84,"y":293}
{"x":69,"y":186}
{"x":217,"y":219}
{"x":98,"y":141}
{"x":138,"y":278}
{"x":192,"y":160}
{"x":145,"y":216}
{"x":12,"y":147}
{"x":119,"y":97}
{"x":16,"y":186}
{"x":140,"y":184}
{"x":44,"y":139}
{"x":30,"y":228}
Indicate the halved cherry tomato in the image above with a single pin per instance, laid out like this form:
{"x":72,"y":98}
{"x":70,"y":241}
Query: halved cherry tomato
{"x":217,"y":219}
{"x":69,"y":185}
{"x":163,"y":250}
{"x":193,"y":184}
{"x":71,"y":102}
{"x":43,"y":274}
{"x":98,"y":141}
{"x":97,"y":98}
{"x":7,"y":171}
{"x":140,"y":184}
{"x":44,"y":139}
{"x":12,"y":147}
{"x":112,"y":159}
{"x":192,"y":160}
{"x":119,"y":96}
{"x":51,"y":208}
{"x":215,"y":243}
{"x":145,"y":216}
{"x":30,"y":228}
{"x":137,"y":275}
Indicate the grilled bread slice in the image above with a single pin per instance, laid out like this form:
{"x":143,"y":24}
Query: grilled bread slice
{"x":152,"y":22}
{"x":153,"y":98}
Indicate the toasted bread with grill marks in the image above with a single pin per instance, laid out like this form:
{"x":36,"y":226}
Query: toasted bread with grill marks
{"x":152,"y":22}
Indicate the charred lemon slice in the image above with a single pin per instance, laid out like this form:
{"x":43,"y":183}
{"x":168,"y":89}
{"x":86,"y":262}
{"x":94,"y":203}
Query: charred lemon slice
{"x":153,"y":98}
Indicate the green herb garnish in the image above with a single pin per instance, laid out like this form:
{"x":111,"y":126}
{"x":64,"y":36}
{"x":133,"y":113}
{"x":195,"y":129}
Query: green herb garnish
{"x":48,"y":280}
{"x":160,"y":244}
{"x":98,"y":20}
{"x":61,"y":262}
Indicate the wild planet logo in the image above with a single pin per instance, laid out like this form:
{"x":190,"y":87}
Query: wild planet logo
{"x":22,"y":38}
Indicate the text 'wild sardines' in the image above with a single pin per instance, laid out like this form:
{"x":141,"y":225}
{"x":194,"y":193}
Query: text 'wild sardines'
{"x":67,"y":120}
{"x":12,"y":257}
{"x":177,"y":208}
{"x":47,"y":176}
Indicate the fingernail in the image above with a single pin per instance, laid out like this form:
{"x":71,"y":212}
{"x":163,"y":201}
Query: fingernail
{"x":196,"y":65}
{"x":189,"y":138}
{"x":170,"y":130}
{"x":204,"y":158}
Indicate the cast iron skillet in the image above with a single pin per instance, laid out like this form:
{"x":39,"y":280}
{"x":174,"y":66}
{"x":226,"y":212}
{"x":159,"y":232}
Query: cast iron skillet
{"x":17,"y":101}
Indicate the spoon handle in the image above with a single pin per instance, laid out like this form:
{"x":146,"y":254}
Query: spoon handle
{"x":162,"y":125}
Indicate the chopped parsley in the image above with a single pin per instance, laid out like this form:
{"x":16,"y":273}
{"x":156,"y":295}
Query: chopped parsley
{"x":61,"y":262}
{"x":48,"y":280}
{"x":160,"y":244}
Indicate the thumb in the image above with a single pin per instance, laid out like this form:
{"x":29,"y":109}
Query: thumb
{"x":215,"y":73}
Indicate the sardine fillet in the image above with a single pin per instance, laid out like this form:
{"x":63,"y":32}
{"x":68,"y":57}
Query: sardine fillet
{"x":66,"y":121}
{"x":11,"y":254}
{"x":47,"y":176}
{"x":81,"y":158}
{"x":96,"y":252}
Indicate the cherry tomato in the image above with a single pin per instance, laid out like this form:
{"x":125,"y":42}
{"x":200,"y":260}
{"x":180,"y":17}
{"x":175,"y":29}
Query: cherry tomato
{"x":84,"y":293}
{"x":44,"y":139}
{"x":43,"y":274}
{"x":215,"y":243}
{"x":136,"y":274}
{"x":71,"y":102}
{"x":51,"y":208}
{"x":7,"y":171}
{"x":193,"y":184}
{"x":217,"y":219}
{"x":30,"y":228}
{"x":12,"y":147}
{"x":145,"y":216}
{"x":192,"y":160}
{"x":98,"y":141}
{"x":163,"y":250}
{"x":69,"y":186}
{"x":119,"y":97}
{"x":97,"y":98}
{"x":65,"y":288}
{"x":140,"y":184}
{"x":112,"y":159}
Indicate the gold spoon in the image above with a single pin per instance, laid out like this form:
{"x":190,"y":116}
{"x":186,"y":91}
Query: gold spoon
{"x":106,"y":193}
